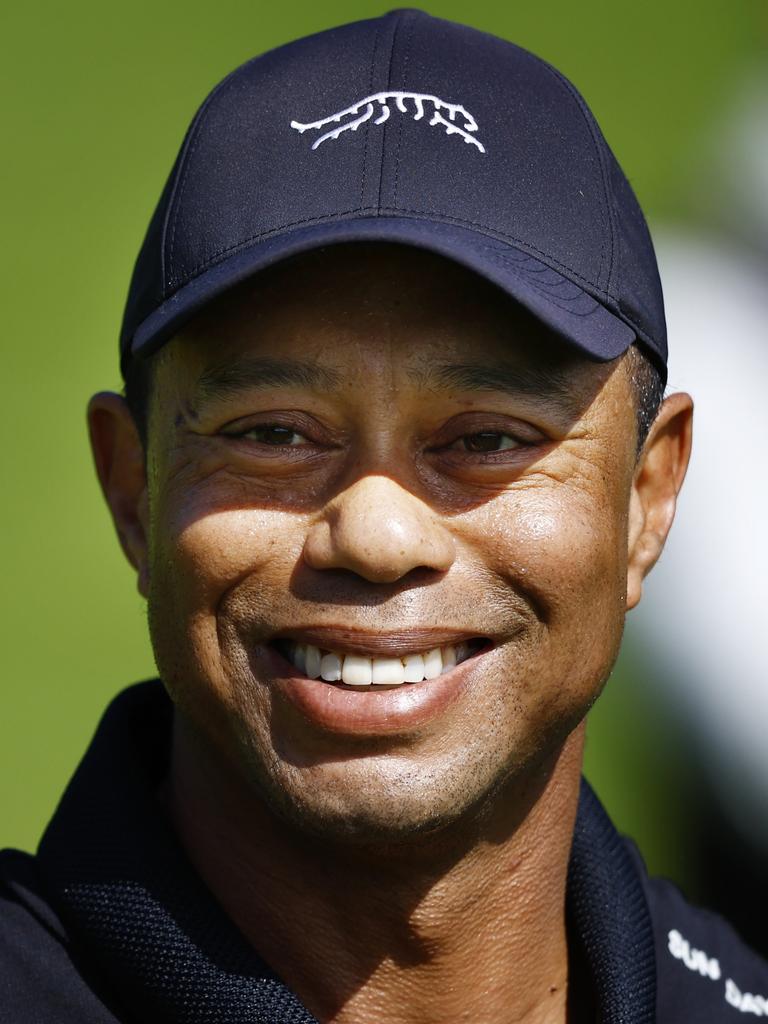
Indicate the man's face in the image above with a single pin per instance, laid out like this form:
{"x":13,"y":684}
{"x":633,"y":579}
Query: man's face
{"x":376,"y":453}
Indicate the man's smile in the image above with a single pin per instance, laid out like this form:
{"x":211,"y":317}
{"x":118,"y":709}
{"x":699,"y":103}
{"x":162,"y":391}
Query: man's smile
{"x":350,"y":682}
{"x":378,"y":660}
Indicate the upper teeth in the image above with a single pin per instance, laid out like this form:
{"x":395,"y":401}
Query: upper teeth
{"x":359,"y":670}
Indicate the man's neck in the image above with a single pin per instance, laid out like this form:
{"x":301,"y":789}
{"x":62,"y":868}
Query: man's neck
{"x":463,"y":926}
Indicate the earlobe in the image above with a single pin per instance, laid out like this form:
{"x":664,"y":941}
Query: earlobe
{"x":657,"y":481}
{"x":118,"y":455}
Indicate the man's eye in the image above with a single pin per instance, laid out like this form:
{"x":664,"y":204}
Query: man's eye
{"x":274,"y":434}
{"x":487,"y":441}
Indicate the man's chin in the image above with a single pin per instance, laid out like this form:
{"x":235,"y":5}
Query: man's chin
{"x":389,"y":809}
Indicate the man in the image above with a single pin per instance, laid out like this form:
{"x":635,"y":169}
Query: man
{"x":390,"y":466}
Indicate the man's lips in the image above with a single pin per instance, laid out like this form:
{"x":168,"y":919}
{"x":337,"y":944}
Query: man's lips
{"x":334,"y":708}
{"x":390,"y":644}
{"x":394,"y":659}
{"x":362,"y":669}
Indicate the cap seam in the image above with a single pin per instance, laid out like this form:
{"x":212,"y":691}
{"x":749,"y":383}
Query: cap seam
{"x":607,"y":211}
{"x":398,"y":147}
{"x":366,"y":147}
{"x":398,"y":23}
{"x":185,"y":160}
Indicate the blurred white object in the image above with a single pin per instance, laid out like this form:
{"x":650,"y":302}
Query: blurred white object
{"x":733,"y":188}
{"x":703,"y":617}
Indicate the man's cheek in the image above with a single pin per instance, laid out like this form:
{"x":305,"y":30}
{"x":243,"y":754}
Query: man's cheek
{"x":587,"y":581}
{"x":199,"y":568}
{"x":207,"y":556}
{"x":559,"y":546}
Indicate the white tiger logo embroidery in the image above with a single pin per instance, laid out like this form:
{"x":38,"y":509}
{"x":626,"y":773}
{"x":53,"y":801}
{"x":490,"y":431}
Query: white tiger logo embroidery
{"x":380,"y":102}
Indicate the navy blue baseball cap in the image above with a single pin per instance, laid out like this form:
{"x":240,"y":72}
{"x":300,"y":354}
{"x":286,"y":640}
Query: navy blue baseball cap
{"x":410,"y":129}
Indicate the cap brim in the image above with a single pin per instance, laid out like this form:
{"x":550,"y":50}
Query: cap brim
{"x":557,"y":301}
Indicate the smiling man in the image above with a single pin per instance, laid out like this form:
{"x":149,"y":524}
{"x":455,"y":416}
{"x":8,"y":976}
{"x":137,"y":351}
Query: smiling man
{"x":391,"y":465}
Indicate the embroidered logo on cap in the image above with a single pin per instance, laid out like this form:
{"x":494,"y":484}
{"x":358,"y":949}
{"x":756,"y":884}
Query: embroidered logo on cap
{"x":351,"y":118}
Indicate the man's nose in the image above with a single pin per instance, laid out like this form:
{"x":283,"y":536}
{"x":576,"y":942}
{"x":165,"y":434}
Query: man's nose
{"x":380,"y":531}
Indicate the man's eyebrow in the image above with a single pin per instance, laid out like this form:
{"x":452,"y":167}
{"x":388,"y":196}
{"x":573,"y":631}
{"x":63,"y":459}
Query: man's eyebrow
{"x":546,"y":383}
{"x":230,"y":379}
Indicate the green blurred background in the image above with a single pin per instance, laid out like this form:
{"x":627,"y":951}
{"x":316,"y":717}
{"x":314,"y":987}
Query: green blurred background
{"x":95,"y":100}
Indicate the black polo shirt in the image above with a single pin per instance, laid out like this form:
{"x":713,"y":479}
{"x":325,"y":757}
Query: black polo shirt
{"x":110,"y":923}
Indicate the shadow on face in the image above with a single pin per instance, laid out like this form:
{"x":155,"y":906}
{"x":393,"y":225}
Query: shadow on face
{"x":373,"y":361}
{"x":374,"y":438}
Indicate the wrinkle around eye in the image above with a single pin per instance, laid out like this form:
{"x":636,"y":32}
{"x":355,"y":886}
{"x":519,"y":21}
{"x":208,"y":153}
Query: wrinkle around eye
{"x":237,"y":467}
{"x":194,"y":469}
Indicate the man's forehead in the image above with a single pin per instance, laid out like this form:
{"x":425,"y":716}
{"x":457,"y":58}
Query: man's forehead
{"x":557,"y":384}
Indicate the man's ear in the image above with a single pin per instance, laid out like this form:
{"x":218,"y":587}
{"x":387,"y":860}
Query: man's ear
{"x":657,"y":481}
{"x":121,"y":467}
